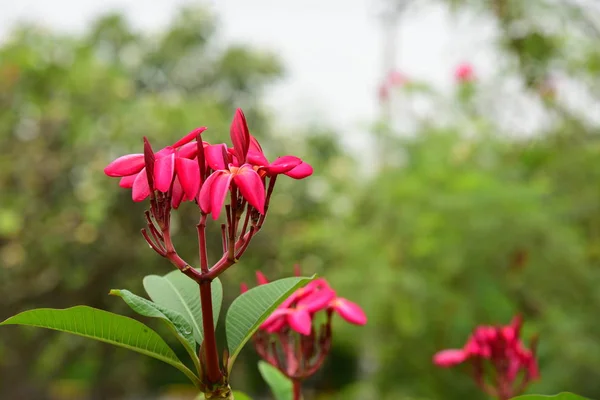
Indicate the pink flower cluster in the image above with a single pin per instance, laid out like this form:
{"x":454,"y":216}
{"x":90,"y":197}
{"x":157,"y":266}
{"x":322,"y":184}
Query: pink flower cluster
{"x":501,"y":347}
{"x":300,"y":345}
{"x":297,"y":311}
{"x":204,"y":173}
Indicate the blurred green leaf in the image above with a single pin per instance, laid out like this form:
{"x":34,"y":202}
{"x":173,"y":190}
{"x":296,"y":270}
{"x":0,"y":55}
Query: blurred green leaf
{"x":560,"y":396}
{"x":103,"y":326}
{"x":280,"y":385}
{"x":240,"y":396}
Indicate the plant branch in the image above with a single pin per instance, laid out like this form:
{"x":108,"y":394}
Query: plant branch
{"x":213,"y":372}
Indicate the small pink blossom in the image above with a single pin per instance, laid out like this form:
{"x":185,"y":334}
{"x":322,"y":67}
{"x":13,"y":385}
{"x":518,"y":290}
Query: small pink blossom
{"x":464,"y":73}
{"x":503,"y":350}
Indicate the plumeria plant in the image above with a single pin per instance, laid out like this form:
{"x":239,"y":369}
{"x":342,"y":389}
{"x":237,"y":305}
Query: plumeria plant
{"x":239,"y":180}
{"x":295,"y":339}
{"x":501,"y":365}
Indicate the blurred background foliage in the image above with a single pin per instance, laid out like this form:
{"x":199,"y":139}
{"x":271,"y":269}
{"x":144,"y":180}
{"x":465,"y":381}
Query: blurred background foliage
{"x":464,"y":220}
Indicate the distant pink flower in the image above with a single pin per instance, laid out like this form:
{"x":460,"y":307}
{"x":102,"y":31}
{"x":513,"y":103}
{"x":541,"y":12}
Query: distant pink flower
{"x":394,"y":79}
{"x":464,"y":73}
{"x":293,"y":326}
{"x":500,"y":347}
{"x":397,"y":78}
{"x":383,"y":92}
{"x":299,"y":308}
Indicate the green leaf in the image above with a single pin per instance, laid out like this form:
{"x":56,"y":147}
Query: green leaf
{"x":280,"y":385}
{"x":250,"y":310}
{"x":181,"y":294}
{"x":174,"y":321}
{"x":560,"y":396}
{"x":236,"y":395}
{"x":106,"y":327}
{"x":240,"y":396}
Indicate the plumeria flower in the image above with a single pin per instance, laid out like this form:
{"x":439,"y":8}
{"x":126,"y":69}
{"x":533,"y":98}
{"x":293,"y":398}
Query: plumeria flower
{"x":291,"y":339}
{"x":173,"y":166}
{"x":248,"y":149}
{"x":244,"y":165}
{"x":502,"y":348}
{"x":298,"y":310}
{"x":214,"y":191}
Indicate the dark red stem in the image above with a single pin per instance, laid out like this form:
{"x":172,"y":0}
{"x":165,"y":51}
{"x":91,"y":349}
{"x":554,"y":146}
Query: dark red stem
{"x":201,"y":227}
{"x":180,"y":263}
{"x":213,"y":372}
{"x":297,"y":385}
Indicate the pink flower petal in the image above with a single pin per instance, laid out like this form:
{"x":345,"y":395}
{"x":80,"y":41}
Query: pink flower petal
{"x":317,"y":301}
{"x":188,"y":173}
{"x":177,"y":195}
{"x":251,"y":186}
{"x":512,"y":331}
{"x":213,"y":192}
{"x":127,"y":181}
{"x":301,"y":171}
{"x":189,"y":137}
{"x":140,"y":189}
{"x":240,"y":137}
{"x":350,"y":311}
{"x":125,"y":165}
{"x":276,"y":321}
{"x":216,"y":156}
{"x":243,"y":288}
{"x":449,"y":358}
{"x":189,"y":150}
{"x":164,"y":169}
{"x":283,"y":164}
{"x":300,"y":321}
{"x":533,"y":371}
{"x":277,"y":315}
{"x":261,"y":278}
{"x":257,"y":159}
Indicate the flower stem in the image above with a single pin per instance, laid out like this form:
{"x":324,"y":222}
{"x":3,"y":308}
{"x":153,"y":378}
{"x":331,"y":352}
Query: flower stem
{"x":201,"y":227}
{"x":213,"y":372}
{"x":297,"y":388}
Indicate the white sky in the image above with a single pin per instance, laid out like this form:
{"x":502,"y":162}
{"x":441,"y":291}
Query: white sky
{"x":332,"y":49}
